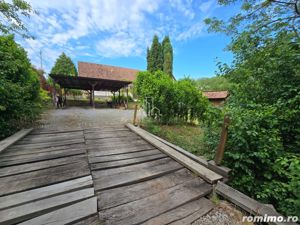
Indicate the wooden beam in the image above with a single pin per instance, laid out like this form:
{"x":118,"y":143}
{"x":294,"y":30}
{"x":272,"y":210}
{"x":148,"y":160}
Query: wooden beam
{"x":222,"y":170}
{"x":221,"y":147}
{"x":14,"y":138}
{"x":134,"y":114}
{"x":126,"y":97}
{"x":200,"y":170}
{"x":246,"y":203}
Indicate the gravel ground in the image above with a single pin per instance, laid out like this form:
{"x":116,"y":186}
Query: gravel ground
{"x":84,"y":117}
{"x":223,"y":214}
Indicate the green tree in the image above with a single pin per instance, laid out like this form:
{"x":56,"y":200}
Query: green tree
{"x":155,"y":56}
{"x":160,"y":56}
{"x":19,"y":88}
{"x":263,"y":142}
{"x":11,"y":13}
{"x":148,"y":59}
{"x":218,"y":83}
{"x":176,"y":100}
{"x":167,"y":56}
{"x":64,"y":66}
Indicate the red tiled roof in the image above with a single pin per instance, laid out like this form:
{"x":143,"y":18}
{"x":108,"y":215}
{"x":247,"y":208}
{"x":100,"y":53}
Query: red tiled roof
{"x":216,"y":94}
{"x":107,"y":72}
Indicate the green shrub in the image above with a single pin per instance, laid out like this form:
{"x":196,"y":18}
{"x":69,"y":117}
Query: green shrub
{"x":261,"y":166}
{"x":175,"y":100}
{"x":19,"y":88}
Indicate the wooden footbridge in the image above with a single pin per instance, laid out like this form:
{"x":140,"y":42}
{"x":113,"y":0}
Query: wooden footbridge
{"x":109,"y":175}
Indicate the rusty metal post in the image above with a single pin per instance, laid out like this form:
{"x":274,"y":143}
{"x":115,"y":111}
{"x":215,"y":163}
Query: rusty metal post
{"x":221,"y":147}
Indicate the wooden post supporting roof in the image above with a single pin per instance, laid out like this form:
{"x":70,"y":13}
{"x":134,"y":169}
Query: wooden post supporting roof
{"x":93,"y":93}
{"x":126,"y":97}
{"x":54,"y":93}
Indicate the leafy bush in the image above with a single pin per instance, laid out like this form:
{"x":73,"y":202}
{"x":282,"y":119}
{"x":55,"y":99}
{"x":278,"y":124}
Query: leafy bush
{"x":176,"y":100}
{"x":264,"y":134}
{"x":19,"y":88}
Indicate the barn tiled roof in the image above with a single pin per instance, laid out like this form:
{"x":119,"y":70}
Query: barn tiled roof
{"x":216,"y":94}
{"x":107,"y":72}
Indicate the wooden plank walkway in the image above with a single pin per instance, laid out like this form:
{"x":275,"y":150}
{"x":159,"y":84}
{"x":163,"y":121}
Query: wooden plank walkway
{"x":107,"y":175}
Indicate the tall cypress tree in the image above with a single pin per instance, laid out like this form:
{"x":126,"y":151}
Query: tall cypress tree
{"x":155,"y":56}
{"x":167,"y":56}
{"x":160,"y":56}
{"x":148,"y":59}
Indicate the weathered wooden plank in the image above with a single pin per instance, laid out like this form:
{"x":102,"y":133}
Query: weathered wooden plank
{"x":40,"y":178}
{"x":115,"y":144}
{"x":222,"y":170}
{"x":114,"y":140}
{"x":49,"y":144}
{"x":109,"y":172}
{"x":198,"y":159}
{"x":67,"y":214}
{"x":32,"y":136}
{"x":109,"y":135}
{"x":39,"y":193}
{"x":10,"y":151}
{"x":92,"y":220}
{"x":24,"y":168}
{"x":107,"y":151}
{"x":157,"y":204}
{"x":127,"y":162}
{"x":126,"y":155}
{"x":16,"y":160}
{"x":105,"y":129}
{"x":32,"y":209}
{"x":246,"y":203}
{"x":200,"y":170}
{"x":43,"y":131}
{"x":119,"y":196}
{"x":4,"y":144}
{"x":185,"y":214}
{"x":136,"y":176}
{"x":40,"y":139}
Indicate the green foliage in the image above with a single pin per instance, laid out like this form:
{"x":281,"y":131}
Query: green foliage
{"x":259,"y":17}
{"x":219,"y":83}
{"x":11,"y":13}
{"x":167,"y":56}
{"x":176,"y":100}
{"x":160,"y":56}
{"x":263,"y":142}
{"x":155,"y":55}
{"x":184,"y":135}
{"x":64,"y":66}
{"x":123,"y":98}
{"x":19,"y":88}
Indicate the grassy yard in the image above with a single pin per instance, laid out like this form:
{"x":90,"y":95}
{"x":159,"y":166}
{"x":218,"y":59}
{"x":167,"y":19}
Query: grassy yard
{"x":186,"y":136}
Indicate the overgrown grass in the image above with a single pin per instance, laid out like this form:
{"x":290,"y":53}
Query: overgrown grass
{"x":186,"y":136}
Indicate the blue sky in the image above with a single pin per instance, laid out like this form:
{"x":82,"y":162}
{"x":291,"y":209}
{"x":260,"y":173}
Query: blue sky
{"x":117,"y":32}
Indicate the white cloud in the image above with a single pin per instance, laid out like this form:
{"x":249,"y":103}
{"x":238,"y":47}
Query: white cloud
{"x":205,"y":7}
{"x":192,"y":32}
{"x":118,"y":46}
{"x":109,"y":28}
{"x":184,"y":6}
